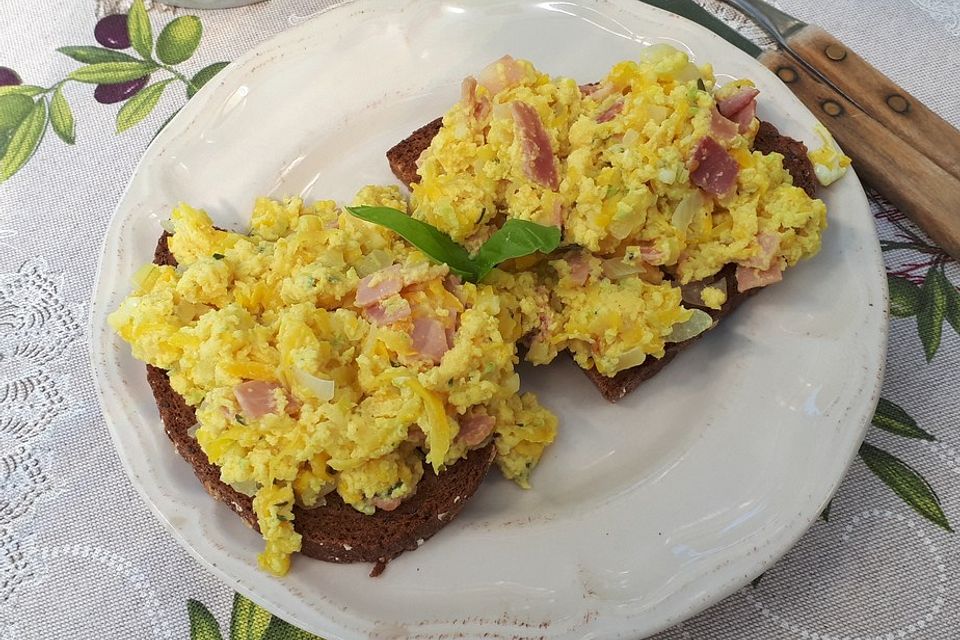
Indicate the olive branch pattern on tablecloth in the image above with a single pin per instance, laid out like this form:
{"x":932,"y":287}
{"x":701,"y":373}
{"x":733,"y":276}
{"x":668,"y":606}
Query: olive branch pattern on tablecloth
{"x":26,"y":111}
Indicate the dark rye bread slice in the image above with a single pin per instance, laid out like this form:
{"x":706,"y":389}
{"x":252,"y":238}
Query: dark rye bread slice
{"x":403,"y":162}
{"x":335,"y":532}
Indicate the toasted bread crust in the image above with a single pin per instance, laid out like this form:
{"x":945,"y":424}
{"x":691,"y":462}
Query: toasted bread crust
{"x":403,"y":156}
{"x":334,"y":532}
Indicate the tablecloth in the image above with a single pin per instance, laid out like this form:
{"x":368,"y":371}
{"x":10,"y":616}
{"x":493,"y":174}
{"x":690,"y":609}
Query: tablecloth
{"x":82,"y":557}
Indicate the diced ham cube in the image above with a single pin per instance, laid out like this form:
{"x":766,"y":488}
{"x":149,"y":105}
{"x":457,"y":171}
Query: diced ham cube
{"x":538,"y":161}
{"x":429,"y":339}
{"x":475,"y":427}
{"x":379,"y":285}
{"x":382,"y":316}
{"x":713,"y":169}
{"x":769,"y":246}
{"x":256,"y":397}
{"x":611,"y":112}
{"x":729,"y":106}
{"x":502,"y":74}
{"x":748,"y":278}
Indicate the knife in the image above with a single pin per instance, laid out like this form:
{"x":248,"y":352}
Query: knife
{"x":911,"y":161}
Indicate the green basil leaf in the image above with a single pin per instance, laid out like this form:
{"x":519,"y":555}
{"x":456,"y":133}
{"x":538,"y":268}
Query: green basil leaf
{"x":112,"y":72}
{"x":515,"y":239}
{"x":423,"y":236}
{"x":248,"y":621}
{"x":21,"y":89}
{"x":203,"y":76}
{"x":906,"y":483}
{"x":94,"y":55}
{"x":953,"y":302}
{"x":139,"y":106}
{"x":904,"y":297}
{"x":24,"y":140}
{"x":179,"y":39}
{"x":203,"y":626}
{"x":891,"y":417}
{"x":138,"y":25}
{"x":933,"y":308}
{"x":14,"y":107}
{"x":61,"y":117}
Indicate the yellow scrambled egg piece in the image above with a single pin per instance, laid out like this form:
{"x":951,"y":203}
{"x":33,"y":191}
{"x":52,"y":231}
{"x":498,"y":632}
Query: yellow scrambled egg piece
{"x":278,"y":305}
{"x":829,"y":163}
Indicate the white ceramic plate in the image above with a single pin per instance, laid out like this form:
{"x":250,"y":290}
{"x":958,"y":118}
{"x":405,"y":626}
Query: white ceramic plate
{"x":643,"y":512}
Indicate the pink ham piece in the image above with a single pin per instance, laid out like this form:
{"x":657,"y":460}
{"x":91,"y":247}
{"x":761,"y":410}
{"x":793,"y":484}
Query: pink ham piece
{"x":502,"y":74}
{"x":475,"y":427}
{"x":611,"y":112}
{"x":383,"y":316}
{"x":769,"y":246}
{"x":429,"y":339}
{"x":712,"y":168}
{"x":651,"y":255}
{"x":387,"y":504}
{"x":256,"y":397}
{"x":741,"y":107}
{"x":377,"y":286}
{"x":722,"y":128}
{"x":730,"y":105}
{"x":745,"y":116}
{"x":479,"y":107}
{"x":451,"y":331}
{"x":596,"y":90}
{"x":538,"y":161}
{"x":579,"y":269}
{"x":748,"y":278}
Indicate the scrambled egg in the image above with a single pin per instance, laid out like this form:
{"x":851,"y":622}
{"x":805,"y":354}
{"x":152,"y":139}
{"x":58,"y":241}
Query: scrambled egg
{"x":829,"y":163}
{"x":346,"y":402}
{"x":323,"y":353}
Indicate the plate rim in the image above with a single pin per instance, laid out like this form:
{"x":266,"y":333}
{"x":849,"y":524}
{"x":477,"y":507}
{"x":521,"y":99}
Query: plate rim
{"x":778,"y":546}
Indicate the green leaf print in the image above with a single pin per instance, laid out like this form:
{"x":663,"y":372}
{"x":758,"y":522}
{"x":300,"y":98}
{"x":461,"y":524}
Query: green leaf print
{"x":953,"y":303}
{"x":282,"y":630}
{"x":891,"y":417}
{"x":203,"y":626}
{"x":248,"y":621}
{"x":24,"y":141}
{"x":28,"y":90}
{"x":906,"y":483}
{"x":95,"y":55}
{"x":179,"y":39}
{"x":138,"y":25}
{"x":61,"y":117}
{"x":112,"y":72}
{"x":14,"y":108}
{"x":139,"y":106}
{"x":933,"y":300}
{"x":203,"y":76}
{"x":904,"y":297}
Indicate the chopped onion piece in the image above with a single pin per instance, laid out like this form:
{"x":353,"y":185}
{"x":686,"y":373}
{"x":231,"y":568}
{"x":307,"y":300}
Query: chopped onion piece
{"x":322,"y":389}
{"x":372,"y":262}
{"x":247,"y":487}
{"x":688,"y":208}
{"x":192,"y":431}
{"x":167,"y":225}
{"x":616,"y":268}
{"x":699,"y":322}
{"x":632,"y":358}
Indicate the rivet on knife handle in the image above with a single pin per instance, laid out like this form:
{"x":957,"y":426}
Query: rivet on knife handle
{"x":920,"y":188}
{"x":879,"y":96}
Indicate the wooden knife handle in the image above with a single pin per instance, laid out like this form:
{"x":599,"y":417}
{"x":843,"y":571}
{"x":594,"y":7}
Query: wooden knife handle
{"x":919,"y":187}
{"x":888,"y":103}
